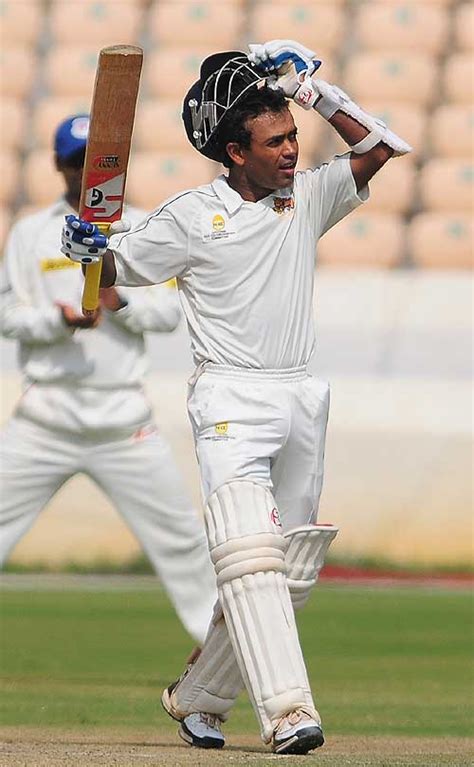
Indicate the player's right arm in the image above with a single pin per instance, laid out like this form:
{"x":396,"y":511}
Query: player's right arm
{"x":153,"y":252}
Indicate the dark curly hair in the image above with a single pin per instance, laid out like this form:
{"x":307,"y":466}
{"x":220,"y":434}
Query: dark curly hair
{"x":232,"y":127}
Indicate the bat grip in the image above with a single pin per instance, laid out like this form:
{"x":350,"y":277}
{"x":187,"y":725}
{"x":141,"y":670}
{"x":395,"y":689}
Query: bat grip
{"x":90,"y":292}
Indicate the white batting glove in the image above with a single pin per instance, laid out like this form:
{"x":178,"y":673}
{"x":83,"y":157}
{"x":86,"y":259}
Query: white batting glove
{"x":290,"y":66}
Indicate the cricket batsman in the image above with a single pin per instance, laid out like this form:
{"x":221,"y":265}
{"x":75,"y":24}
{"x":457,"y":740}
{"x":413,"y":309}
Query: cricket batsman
{"x":243,"y":250}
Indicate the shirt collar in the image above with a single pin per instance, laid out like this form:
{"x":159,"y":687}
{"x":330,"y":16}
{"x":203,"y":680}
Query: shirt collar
{"x":232,"y":199}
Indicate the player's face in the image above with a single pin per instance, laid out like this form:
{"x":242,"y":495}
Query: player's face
{"x":271,"y":160}
{"x":72,"y":179}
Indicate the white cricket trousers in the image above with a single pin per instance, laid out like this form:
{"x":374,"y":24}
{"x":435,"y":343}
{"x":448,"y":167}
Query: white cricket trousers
{"x":266,"y":426}
{"x":138,"y":473}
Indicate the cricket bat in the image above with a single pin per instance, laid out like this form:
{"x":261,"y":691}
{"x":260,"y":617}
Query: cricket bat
{"x":108,"y":148}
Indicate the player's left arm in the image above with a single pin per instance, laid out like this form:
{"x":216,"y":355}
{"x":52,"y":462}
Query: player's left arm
{"x":291,"y":67}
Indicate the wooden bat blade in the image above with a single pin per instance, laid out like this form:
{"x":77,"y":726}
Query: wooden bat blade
{"x":108,"y":147}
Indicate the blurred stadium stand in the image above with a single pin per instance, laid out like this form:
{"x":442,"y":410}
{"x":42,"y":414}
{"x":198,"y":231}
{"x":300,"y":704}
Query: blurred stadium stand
{"x":408,"y":61}
{"x":393,"y":295}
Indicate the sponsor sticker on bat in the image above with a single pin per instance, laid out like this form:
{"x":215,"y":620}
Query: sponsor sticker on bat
{"x":103,"y":200}
{"x":106,"y":162}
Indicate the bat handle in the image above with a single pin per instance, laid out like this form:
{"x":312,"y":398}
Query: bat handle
{"x":90,"y":292}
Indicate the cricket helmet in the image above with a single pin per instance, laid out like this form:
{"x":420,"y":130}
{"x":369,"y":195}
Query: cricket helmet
{"x":224,"y":79}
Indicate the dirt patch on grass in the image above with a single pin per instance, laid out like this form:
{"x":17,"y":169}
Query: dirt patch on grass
{"x":22,"y":747}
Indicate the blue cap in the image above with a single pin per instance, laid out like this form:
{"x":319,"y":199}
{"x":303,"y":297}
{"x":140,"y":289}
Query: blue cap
{"x":71,"y":136}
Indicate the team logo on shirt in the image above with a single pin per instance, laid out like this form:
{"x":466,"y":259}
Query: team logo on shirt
{"x":220,"y":229}
{"x":222,"y":428}
{"x":218,"y":223}
{"x":283,"y":204}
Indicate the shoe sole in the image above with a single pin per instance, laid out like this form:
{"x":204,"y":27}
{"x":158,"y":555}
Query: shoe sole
{"x":193,"y":740}
{"x":310,"y":739}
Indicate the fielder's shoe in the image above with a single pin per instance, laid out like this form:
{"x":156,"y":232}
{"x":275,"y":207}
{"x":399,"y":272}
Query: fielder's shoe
{"x":297,"y":733}
{"x":201,"y":730}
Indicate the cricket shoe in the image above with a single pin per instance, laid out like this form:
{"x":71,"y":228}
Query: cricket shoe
{"x":199,"y":729}
{"x":297,"y":733}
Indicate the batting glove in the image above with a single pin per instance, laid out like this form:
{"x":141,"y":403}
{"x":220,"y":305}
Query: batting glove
{"x":290,"y":66}
{"x":82,"y":241}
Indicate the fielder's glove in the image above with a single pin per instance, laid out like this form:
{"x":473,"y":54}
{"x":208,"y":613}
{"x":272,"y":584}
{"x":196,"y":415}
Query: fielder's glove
{"x":84,"y":243}
{"x":290,"y":66}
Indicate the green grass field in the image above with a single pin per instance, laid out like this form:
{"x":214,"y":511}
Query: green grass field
{"x":392,"y":663}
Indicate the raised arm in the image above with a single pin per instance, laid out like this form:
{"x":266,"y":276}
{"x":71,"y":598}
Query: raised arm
{"x":291,"y":67}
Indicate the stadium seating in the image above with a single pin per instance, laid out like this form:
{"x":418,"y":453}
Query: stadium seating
{"x":20,"y":22}
{"x":451,"y":130}
{"x":408,"y":61}
{"x":104,"y":23}
{"x":401,"y":27}
{"x":464,"y":26}
{"x":406,"y":77}
{"x":63,"y":60}
{"x":317,"y":25}
{"x":155,"y":176}
{"x":12,"y":122}
{"x":458,"y":79}
{"x":442,"y":240}
{"x":209,"y":23}
{"x":158,"y":125}
{"x":393,"y":188}
{"x":363,"y":239}
{"x":17,"y":71}
{"x":171,"y":71}
{"x":447,"y":185}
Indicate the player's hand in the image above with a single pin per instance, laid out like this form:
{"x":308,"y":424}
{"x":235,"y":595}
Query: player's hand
{"x":290,"y":66}
{"x":82,"y":241}
{"x":284,"y":56}
{"x":111,"y":300}
{"x":74,"y":320}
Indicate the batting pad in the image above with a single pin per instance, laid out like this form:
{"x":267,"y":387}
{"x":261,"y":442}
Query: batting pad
{"x":214,"y":680}
{"x":248,"y":552}
{"x":305,"y":556}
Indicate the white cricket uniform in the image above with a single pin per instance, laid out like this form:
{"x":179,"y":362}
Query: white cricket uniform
{"x":84,"y":410}
{"x":245,"y":274}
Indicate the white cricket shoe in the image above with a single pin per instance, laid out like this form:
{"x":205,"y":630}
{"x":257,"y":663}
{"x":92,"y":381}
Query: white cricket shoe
{"x":201,"y":729}
{"x":297,"y":733}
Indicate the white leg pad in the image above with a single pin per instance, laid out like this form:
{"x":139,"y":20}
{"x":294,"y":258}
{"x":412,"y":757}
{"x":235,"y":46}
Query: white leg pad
{"x":305,"y":556}
{"x":215,"y":681}
{"x":248,"y":552}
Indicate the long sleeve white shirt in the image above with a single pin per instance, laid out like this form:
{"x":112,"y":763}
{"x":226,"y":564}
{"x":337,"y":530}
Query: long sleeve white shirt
{"x":70,"y":365}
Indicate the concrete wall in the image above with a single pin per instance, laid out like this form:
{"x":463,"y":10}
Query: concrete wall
{"x":396,"y":347}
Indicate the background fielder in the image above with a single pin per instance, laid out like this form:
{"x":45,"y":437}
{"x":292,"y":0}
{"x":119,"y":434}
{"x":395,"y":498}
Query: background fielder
{"x":84,"y":408}
{"x":243,"y":251}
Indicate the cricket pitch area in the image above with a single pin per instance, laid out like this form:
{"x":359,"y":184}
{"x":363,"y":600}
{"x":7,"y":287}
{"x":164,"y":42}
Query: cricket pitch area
{"x":84,"y":660}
